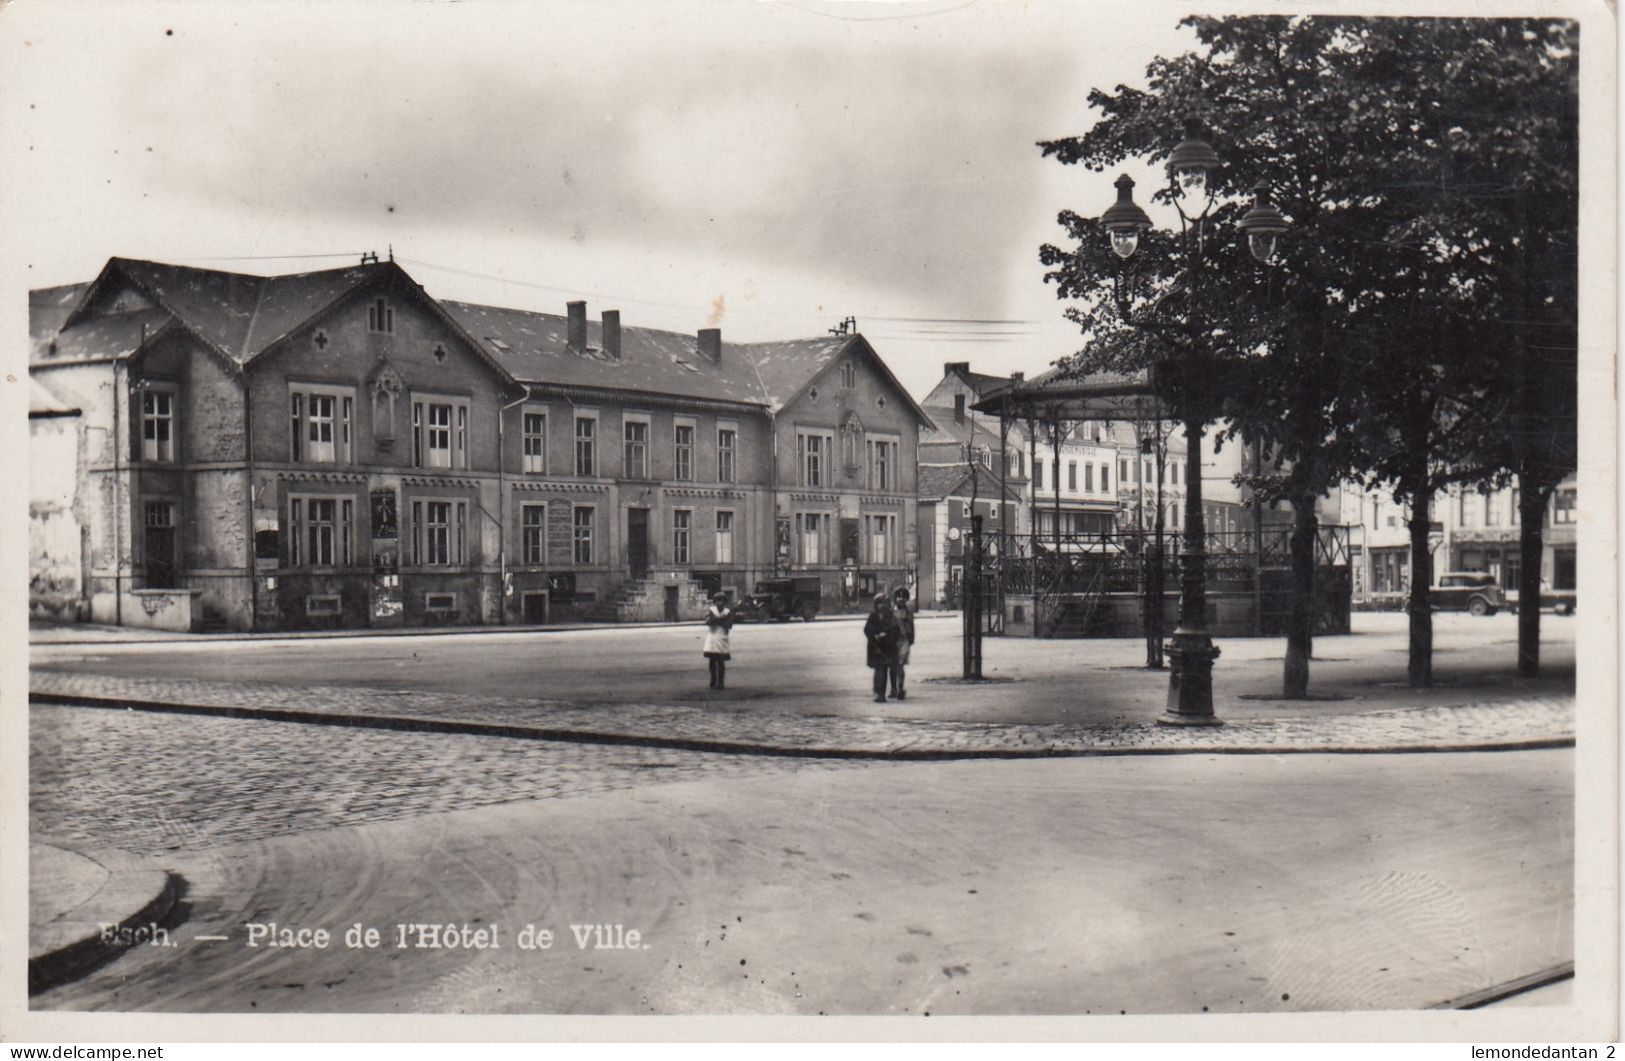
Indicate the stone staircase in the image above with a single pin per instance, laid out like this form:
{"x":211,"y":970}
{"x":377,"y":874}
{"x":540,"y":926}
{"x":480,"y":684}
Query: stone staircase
{"x":210,"y":622}
{"x":644,"y":600}
{"x":1070,"y":617}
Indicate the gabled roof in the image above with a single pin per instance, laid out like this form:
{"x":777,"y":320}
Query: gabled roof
{"x":48,"y":309}
{"x":789,"y":368}
{"x":241,"y":317}
{"x":286,"y":302}
{"x":938,"y":481}
{"x":116,"y":336}
{"x":947,"y":431}
{"x":236,"y":315}
{"x":980,"y":382}
{"x":534,"y":348}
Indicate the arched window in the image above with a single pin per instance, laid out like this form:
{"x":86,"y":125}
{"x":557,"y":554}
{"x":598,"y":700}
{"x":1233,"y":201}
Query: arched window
{"x":851,"y":444}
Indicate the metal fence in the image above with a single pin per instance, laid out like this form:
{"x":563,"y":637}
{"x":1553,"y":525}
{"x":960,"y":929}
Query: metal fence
{"x":1067,"y":575}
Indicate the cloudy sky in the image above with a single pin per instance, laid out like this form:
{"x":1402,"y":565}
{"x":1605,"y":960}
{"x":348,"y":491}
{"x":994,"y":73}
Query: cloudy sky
{"x":767,"y":167}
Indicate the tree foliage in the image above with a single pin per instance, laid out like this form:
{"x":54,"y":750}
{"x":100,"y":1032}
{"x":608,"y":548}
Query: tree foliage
{"x":1418,"y":325}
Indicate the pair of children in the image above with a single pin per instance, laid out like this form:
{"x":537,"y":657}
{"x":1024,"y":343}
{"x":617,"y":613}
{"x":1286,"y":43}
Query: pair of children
{"x":889,"y":632}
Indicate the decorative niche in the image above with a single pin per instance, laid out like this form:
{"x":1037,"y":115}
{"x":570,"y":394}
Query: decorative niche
{"x":385,"y":388}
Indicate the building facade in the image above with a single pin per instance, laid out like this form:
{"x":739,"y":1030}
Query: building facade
{"x":950,"y":498}
{"x":1471,"y":530}
{"x":341,"y":449}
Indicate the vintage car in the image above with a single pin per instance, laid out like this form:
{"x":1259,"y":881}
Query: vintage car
{"x":1561,"y":601}
{"x":781,"y":599}
{"x":1474,"y":592}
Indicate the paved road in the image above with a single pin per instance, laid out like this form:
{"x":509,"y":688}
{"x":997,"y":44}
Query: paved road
{"x":817,"y":669}
{"x":787,"y":886}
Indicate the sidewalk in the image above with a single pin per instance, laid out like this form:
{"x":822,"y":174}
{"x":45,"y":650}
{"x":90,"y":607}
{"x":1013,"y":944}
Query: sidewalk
{"x":87,"y":908}
{"x":40,"y":633}
{"x":743,"y":727}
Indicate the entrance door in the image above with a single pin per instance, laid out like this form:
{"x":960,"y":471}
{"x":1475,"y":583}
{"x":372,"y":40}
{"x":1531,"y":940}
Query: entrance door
{"x":1563,"y":573}
{"x":671,"y":604}
{"x":637,"y":541}
{"x":849,"y":540}
{"x":158,"y":546}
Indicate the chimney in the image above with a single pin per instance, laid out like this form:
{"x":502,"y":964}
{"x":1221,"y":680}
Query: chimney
{"x":950,"y":367}
{"x":711,"y":343}
{"x":612,"y":334}
{"x":578,"y":325}
{"x":959,"y":408}
{"x":1017,"y":377}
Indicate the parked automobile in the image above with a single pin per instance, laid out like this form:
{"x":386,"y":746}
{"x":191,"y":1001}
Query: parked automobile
{"x":1474,"y":592}
{"x":1561,"y":601}
{"x":781,"y":599}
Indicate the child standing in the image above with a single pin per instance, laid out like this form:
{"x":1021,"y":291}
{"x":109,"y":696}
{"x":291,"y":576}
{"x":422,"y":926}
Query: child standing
{"x":882,"y":633}
{"x":905,"y":641}
{"x":719,"y":619}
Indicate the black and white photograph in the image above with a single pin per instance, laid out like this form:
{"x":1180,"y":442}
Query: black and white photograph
{"x":1022,"y":519}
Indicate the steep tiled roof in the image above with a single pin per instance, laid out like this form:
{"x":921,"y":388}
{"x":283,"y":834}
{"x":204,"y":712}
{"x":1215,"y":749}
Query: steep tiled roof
{"x":937,"y":481}
{"x":947,"y":431}
{"x":48,"y":308}
{"x":288,"y":301}
{"x":786,"y":367}
{"x":981,"y":382}
{"x":240,"y":315}
{"x":534,"y":348}
{"x":118,"y":335}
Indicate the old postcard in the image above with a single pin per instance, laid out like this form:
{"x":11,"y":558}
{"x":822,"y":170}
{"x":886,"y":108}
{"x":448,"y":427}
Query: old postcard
{"x":730,"y":519}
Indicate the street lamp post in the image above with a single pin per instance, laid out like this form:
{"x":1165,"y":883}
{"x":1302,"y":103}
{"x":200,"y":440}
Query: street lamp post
{"x":1191,"y":166}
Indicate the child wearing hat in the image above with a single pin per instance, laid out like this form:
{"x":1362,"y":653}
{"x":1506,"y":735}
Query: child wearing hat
{"x":883,"y":634}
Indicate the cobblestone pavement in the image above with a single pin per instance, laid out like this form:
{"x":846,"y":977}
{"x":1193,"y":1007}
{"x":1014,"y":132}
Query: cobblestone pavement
{"x":1492,"y":722}
{"x":150,"y":783}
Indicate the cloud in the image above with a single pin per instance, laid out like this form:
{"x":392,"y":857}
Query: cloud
{"x":889,"y":165}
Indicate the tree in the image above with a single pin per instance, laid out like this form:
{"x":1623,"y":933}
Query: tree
{"x":1388,"y":143}
{"x":1482,"y":383}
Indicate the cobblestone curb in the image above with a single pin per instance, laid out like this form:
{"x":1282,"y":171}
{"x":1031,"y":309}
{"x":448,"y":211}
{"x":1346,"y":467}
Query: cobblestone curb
{"x":1531,"y":722}
{"x":135,"y":898}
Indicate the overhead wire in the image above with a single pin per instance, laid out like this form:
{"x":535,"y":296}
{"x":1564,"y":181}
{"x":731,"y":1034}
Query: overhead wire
{"x":916,"y":329}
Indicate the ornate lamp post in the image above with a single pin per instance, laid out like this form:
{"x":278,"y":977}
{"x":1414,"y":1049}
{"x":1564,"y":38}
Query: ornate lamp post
{"x":1191,"y":166}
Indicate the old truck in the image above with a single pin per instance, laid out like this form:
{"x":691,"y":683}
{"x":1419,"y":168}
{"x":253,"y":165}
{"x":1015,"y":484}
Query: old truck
{"x":781,"y":599}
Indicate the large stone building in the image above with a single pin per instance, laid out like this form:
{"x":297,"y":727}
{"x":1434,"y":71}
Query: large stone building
{"x":341,"y":449}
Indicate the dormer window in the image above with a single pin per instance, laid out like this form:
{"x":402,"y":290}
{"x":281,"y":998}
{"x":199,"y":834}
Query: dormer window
{"x":381,"y":317}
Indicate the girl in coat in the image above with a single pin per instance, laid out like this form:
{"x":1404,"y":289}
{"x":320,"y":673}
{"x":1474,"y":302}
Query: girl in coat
{"x":882,"y":633}
{"x":719,"y":619}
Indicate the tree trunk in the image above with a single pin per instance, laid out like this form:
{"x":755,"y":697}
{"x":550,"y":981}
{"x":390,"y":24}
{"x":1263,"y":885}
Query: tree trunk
{"x":1300,"y":631}
{"x":1533,"y":493}
{"x":1419,"y":606}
